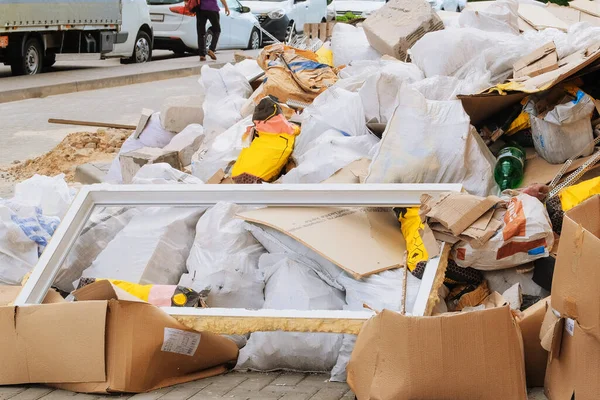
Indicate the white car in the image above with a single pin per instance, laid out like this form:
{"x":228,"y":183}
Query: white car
{"x":283,"y":19}
{"x":360,"y":8}
{"x":175,"y":30}
{"x":137,"y":29}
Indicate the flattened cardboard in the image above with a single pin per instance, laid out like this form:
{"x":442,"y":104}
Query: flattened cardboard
{"x":52,"y":343}
{"x":536,"y":357}
{"x":482,"y":106}
{"x":589,"y":7}
{"x":458,"y":211}
{"x":473,"y":355}
{"x":538,"y":170}
{"x":540,"y":18}
{"x":362,"y":241}
{"x":540,"y":61}
{"x":355,"y":172}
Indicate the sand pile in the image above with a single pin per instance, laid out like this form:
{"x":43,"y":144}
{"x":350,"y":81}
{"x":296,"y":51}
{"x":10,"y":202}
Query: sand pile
{"x":76,"y":149}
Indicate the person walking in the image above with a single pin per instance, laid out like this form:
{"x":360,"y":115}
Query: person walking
{"x":207,"y":10}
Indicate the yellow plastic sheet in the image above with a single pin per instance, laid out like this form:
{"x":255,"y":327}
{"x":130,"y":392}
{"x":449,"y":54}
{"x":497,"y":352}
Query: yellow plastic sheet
{"x":576,"y":194}
{"x":410,"y":225}
{"x":265,"y":158}
{"x":325,"y":55}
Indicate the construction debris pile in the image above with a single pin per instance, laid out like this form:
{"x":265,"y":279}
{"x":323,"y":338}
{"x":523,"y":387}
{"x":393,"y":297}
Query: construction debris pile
{"x":499,"y":99}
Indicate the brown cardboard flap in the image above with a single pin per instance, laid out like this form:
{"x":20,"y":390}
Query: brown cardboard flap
{"x":147,"y":347}
{"x":538,"y":170}
{"x":576,"y":281}
{"x":8,"y":294}
{"x":102,"y":290}
{"x":536,"y":357}
{"x":482,"y":106}
{"x":473,"y":355}
{"x":53,"y":343}
{"x":561,"y":371}
{"x":362,"y":241}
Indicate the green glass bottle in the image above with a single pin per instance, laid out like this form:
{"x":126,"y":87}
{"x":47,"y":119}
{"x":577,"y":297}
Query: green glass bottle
{"x":510,"y":166}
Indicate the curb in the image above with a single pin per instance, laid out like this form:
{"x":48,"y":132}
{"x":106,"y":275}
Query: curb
{"x":100,"y":83}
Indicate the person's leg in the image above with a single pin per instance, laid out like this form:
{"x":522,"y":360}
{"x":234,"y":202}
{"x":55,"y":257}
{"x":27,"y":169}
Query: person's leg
{"x":201,"y":19}
{"x":215,"y":26}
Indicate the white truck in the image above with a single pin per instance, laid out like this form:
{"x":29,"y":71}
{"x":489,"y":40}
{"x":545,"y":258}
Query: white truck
{"x":34,"y":33}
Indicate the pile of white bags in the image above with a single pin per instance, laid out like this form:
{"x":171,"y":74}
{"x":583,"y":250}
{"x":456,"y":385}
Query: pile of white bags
{"x":291,"y":285}
{"x":432,"y":142}
{"x":224,"y":259}
{"x":152,"y":248}
{"x":225,"y":92}
{"x":349,"y":43}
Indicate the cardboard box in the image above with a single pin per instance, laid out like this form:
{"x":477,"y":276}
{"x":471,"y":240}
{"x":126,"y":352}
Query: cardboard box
{"x":536,"y":357}
{"x":399,"y":24}
{"x":574,"y":365}
{"x":106,"y":346}
{"x":473,"y":355}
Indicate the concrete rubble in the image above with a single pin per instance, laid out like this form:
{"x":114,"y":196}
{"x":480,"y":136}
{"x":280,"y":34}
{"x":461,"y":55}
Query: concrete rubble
{"x":483,"y":276}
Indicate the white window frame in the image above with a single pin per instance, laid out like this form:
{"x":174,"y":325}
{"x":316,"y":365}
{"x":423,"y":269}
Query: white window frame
{"x":316,"y":195}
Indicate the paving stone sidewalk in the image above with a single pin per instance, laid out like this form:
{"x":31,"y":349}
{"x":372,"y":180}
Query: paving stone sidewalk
{"x":235,"y":385}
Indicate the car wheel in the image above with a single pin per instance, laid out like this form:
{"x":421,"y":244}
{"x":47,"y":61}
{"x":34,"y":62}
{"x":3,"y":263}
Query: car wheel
{"x":290,"y":32}
{"x":142,"y":50}
{"x":31,"y":62}
{"x":254,"y":42}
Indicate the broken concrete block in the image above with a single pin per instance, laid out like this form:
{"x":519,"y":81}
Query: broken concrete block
{"x":91,"y":173}
{"x":134,"y":160}
{"x":180,"y":111}
{"x":398,"y":25}
{"x":186,"y":143}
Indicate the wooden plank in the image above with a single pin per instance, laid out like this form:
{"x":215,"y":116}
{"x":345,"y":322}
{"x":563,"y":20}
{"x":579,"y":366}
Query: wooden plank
{"x":307,"y":29}
{"x":540,"y":18}
{"x":314,"y":31}
{"x":89,"y":123}
{"x":323,"y":31}
{"x":330,"y":26}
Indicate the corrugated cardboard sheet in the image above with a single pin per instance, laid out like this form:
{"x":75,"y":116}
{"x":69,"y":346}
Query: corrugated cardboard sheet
{"x":536,"y":357}
{"x":575,"y":355}
{"x":473,"y":355}
{"x":362,"y":241}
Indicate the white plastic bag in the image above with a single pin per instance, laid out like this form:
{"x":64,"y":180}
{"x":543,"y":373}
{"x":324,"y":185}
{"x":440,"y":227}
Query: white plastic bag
{"x":222,"y":152}
{"x":152,"y":248}
{"x":278,"y":242}
{"x":378,"y":291}
{"x":294,"y":286}
{"x":499,"y":16}
{"x":19,"y":250}
{"x":335,"y":108}
{"x":330,"y":152}
{"x":162,"y":173}
{"x":101,"y":228}
{"x":224,"y":259}
{"x":525,"y":236}
{"x":432,"y":142}
{"x":565,"y":131}
{"x":349,"y":44}
{"x":380,"y":91}
{"x":51,"y":194}
{"x":153,"y":135}
{"x":226,"y":90}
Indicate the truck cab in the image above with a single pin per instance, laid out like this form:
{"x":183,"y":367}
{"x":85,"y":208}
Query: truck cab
{"x":31,"y":39}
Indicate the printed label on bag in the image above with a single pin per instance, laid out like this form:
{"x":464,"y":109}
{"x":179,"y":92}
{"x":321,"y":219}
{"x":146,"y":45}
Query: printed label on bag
{"x":570,"y":326}
{"x":180,"y":342}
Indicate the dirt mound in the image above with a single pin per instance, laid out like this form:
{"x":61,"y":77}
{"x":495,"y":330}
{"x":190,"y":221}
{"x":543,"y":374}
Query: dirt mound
{"x":76,"y":149}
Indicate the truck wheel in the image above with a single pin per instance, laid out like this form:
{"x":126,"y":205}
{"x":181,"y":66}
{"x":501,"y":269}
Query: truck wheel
{"x":254,"y":43}
{"x":31,"y":62}
{"x":142,"y":50}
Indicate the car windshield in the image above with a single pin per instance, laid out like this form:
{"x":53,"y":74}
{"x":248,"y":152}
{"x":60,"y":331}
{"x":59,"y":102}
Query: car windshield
{"x":162,"y":2}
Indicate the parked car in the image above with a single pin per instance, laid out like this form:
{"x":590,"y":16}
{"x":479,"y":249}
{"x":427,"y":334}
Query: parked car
{"x":175,"y":29}
{"x":285,"y":18}
{"x":138,"y":26}
{"x":353,"y":8}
